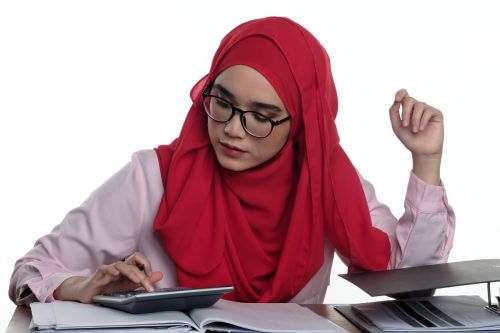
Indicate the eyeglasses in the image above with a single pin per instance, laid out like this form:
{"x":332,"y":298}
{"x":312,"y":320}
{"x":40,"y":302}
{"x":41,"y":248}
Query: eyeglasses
{"x":254,"y":123}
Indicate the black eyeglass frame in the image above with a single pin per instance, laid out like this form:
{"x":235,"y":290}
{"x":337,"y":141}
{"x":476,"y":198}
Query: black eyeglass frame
{"x":234,"y":109}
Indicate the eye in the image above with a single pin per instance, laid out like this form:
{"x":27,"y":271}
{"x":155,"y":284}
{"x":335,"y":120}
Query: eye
{"x":260,"y":118}
{"x":222,"y":103}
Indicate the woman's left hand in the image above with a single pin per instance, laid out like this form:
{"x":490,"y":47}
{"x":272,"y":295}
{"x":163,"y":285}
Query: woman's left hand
{"x":420,"y":127}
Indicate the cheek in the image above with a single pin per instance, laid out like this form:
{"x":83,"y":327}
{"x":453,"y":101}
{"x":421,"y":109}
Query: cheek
{"x":282,"y":135}
{"x":212,"y":130}
{"x":273,"y":144}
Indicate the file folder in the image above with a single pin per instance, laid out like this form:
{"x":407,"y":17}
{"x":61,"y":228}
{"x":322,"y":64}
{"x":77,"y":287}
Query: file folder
{"x":368,"y":327}
{"x":421,"y":281}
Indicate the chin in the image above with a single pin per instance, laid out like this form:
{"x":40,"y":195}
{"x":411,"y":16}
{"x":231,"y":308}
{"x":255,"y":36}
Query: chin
{"x":233,"y":165}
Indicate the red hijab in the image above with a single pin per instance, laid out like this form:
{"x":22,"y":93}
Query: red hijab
{"x":263,"y":230}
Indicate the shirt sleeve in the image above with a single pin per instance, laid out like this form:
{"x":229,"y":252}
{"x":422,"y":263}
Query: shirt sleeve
{"x":424,"y":234}
{"x":104,"y":229}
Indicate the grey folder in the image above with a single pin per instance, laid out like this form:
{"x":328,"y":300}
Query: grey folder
{"x":419,"y":281}
{"x":411,"y":280}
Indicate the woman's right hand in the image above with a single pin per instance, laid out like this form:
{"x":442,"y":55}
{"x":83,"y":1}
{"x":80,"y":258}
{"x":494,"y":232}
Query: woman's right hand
{"x":118,"y":276}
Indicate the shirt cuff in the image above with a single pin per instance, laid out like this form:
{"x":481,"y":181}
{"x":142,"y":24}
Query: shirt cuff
{"x":43,"y":288}
{"x":424,"y":197}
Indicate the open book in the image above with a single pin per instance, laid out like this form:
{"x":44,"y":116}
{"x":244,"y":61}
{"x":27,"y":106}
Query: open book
{"x":223,"y":316}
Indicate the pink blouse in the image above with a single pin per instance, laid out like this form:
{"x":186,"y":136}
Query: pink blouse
{"x":117,"y":220}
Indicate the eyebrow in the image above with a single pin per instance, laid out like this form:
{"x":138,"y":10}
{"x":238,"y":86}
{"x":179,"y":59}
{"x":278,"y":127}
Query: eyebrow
{"x":254,"y":104}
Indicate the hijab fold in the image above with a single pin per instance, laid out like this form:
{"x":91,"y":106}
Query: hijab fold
{"x":263,"y":230}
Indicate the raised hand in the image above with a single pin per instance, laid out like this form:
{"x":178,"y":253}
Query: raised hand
{"x":420,"y":127}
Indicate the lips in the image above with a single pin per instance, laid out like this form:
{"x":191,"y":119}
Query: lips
{"x":228,"y":146}
{"x":231,"y":151}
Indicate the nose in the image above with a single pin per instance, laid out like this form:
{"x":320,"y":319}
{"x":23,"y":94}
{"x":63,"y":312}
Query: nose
{"x":234,"y":128}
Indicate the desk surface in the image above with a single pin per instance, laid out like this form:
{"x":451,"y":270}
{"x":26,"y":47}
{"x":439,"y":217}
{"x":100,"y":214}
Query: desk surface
{"x":22,"y":316}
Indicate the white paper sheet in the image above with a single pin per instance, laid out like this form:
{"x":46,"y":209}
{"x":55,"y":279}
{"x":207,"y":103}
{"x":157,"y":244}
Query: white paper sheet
{"x":262,"y":317}
{"x":73,"y":315}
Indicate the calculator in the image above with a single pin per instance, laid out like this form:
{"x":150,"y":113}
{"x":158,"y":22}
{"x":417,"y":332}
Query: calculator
{"x":165,"y":299}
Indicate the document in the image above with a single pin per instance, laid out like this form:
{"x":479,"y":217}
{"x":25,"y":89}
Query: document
{"x":436,"y":313}
{"x":223,"y":316}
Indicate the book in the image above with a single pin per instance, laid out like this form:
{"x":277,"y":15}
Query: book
{"x":223,"y":316}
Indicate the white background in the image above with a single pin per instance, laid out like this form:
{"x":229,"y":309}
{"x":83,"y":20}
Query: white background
{"x":83,"y":84}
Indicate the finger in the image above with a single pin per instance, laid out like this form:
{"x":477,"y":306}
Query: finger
{"x":134,"y":275}
{"x":156,"y":276}
{"x":106,"y":271}
{"x":103,"y":276}
{"x":141,"y":262}
{"x":400,"y":95}
{"x":429,"y":113}
{"x":407,"y":110}
{"x":395,"y":116}
{"x":418,"y":110}
{"x":129,"y":271}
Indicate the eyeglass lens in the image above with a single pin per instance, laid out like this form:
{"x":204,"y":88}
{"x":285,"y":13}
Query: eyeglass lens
{"x":221,"y":111}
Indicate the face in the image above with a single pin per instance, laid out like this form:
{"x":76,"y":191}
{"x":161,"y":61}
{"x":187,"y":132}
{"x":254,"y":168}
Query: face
{"x":246,"y":89}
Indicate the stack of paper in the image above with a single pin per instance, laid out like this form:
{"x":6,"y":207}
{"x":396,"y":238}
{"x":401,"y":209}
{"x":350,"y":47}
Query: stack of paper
{"x":224,"y":316}
{"x":438,"y":313}
{"x":73,"y":316}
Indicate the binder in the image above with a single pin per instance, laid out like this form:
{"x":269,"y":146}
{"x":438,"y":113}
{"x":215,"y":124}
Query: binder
{"x":368,"y":327}
{"x":421,"y":281}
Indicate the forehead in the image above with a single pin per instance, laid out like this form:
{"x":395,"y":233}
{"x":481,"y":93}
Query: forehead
{"x":246,"y":83}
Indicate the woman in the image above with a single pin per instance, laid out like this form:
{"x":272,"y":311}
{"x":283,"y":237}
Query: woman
{"x":256,"y":192}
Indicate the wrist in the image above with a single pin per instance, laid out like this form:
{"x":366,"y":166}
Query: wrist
{"x":428,"y":168}
{"x":68,"y":290}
